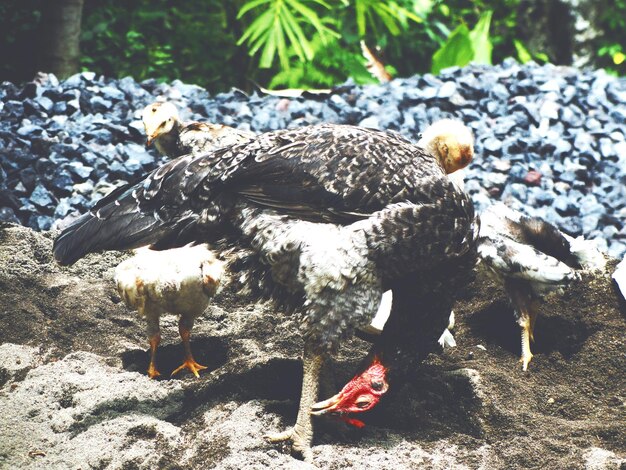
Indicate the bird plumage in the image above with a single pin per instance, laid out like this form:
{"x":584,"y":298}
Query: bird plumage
{"x":531,"y":258}
{"x":179,"y":281}
{"x":326,"y":173}
{"x":336,"y":213}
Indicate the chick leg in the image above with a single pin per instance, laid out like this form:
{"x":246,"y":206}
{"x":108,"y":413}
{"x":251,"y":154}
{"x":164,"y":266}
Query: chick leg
{"x":185,"y":325}
{"x":154,"y":337}
{"x":526,"y":310}
{"x":301,"y":435}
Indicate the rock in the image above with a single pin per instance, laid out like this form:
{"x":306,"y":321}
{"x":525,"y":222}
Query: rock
{"x":100,"y":105}
{"x":111,"y":93}
{"x":79,"y":171}
{"x":532,"y":178}
{"x":602,"y":459}
{"x":41,"y":197}
{"x":446,"y":90}
{"x":7,"y":214}
{"x":492,"y":145}
{"x":562,"y":123}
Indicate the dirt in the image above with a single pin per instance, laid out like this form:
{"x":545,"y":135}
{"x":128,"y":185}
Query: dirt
{"x":74,"y":391}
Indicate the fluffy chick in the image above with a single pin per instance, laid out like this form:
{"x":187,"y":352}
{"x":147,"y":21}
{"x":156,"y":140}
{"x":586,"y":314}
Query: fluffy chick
{"x":451,"y":142}
{"x":173,"y":138}
{"x":179,"y":281}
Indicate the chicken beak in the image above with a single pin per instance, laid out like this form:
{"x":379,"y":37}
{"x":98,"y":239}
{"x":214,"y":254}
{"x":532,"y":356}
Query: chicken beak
{"x":326,"y":406}
{"x":149,"y":140}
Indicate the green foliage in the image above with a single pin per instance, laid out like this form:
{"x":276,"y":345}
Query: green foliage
{"x":524,"y":55}
{"x":612,"y":44}
{"x":464,"y":46}
{"x":278,"y":26}
{"x":194,"y":40}
{"x":373,"y":12}
{"x":289,"y":43}
{"x":331,"y":64}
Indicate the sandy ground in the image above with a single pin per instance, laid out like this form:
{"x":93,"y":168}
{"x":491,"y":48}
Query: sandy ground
{"x":74,"y":393}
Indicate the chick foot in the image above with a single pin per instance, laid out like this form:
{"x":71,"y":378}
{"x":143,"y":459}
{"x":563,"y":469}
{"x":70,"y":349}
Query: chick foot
{"x":155,"y":339}
{"x":525,"y":322}
{"x":191,"y":365}
{"x":153,"y":372}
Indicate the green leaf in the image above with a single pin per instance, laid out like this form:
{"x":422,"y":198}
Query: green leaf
{"x":298,"y":40}
{"x":480,"y":39}
{"x":360,"y":9}
{"x":401,"y":13}
{"x":457,"y":50}
{"x":312,"y":18}
{"x":423,"y":7}
{"x":251,"y":5}
{"x":387,"y":18}
{"x":282,"y":48}
{"x":259,"y":26}
{"x":522,"y":53}
{"x":267,"y":56}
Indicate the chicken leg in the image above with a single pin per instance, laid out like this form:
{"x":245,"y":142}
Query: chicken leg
{"x":301,"y":435}
{"x":526,"y":310}
{"x":184,"y":328}
{"x":154,"y":337}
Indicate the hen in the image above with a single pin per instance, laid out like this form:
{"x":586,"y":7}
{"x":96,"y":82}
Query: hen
{"x":336,"y":213}
{"x":530,"y":258}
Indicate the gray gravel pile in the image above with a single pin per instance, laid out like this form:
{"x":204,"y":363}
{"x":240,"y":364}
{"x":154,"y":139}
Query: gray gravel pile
{"x":549,"y":140}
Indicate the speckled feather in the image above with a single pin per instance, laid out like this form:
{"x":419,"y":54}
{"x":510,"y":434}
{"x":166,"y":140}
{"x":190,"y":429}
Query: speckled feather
{"x":336,"y":212}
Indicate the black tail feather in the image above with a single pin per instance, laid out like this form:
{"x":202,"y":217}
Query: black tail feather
{"x":114,"y":223}
{"x":89,"y":233}
{"x":153,"y":211}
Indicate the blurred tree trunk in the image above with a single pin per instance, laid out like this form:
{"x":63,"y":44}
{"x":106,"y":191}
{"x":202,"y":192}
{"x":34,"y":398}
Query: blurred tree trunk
{"x":547,"y":26}
{"x":566,"y":30}
{"x":60,"y":36}
{"x":587,"y":30}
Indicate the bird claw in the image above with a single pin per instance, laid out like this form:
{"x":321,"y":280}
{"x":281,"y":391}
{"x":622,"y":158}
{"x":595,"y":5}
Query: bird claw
{"x":191,"y":365}
{"x":153,"y":373}
{"x":299,"y":444}
{"x":525,"y":360}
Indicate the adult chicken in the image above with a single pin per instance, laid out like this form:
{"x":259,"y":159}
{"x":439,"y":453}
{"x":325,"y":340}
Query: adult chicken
{"x":337,"y":214}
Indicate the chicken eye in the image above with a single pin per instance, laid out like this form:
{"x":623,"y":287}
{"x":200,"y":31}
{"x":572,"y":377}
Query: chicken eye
{"x":154,"y":110}
{"x":378,"y":386}
{"x":362,"y":403}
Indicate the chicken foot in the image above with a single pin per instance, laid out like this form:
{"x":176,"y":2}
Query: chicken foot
{"x":154,"y":337}
{"x":527,"y":310}
{"x":184,"y":327}
{"x":301,"y":435}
